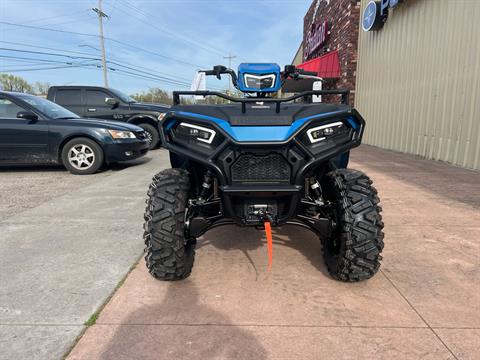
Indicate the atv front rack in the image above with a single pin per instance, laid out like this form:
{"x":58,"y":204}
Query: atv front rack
{"x":344,"y":94}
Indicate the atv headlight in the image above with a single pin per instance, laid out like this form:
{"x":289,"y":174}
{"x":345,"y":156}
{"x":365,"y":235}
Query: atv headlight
{"x":198,"y":132}
{"x":322,"y":132}
{"x":117,"y":134}
{"x":259,"y":81}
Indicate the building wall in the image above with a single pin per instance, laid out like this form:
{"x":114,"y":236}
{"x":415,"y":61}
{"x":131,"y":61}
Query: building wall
{"x":418,"y":81}
{"x":298,"y":58}
{"x":343,"y":18}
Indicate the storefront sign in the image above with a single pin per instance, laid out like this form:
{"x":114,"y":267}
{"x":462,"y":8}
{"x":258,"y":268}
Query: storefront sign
{"x":316,"y":37}
{"x":376,"y":14}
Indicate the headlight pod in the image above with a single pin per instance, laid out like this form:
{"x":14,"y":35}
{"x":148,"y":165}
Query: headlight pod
{"x":259,"y":81}
{"x":200,"y":133}
{"x":322,"y":132}
{"x":118,"y":134}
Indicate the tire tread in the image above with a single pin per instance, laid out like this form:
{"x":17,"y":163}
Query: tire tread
{"x":360,"y":227}
{"x":168,"y":255}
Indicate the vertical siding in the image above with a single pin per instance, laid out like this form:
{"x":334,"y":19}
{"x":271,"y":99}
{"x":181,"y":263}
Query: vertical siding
{"x":418,"y":81}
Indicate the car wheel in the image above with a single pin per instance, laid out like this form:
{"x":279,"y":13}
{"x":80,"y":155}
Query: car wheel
{"x":152,"y":135}
{"x":82,"y":156}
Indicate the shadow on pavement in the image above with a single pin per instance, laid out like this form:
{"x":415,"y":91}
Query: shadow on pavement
{"x":59,"y":168}
{"x":248,"y":240}
{"x":30,"y":168}
{"x":126,"y":164}
{"x":185,"y":335}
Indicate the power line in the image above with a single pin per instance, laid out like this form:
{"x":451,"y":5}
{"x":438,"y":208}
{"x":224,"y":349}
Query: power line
{"x":81,"y":53}
{"x":56,"y":17}
{"x":139,"y":73}
{"x":184,"y":38}
{"x":44,"y":47}
{"x":106,"y":38}
{"x":83,"y":57}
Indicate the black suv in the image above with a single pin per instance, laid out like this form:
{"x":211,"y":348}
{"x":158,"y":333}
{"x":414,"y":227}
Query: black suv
{"x":109,"y":104}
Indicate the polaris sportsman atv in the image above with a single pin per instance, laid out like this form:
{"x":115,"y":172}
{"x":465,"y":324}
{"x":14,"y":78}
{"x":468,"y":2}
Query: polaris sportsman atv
{"x":263,"y":161}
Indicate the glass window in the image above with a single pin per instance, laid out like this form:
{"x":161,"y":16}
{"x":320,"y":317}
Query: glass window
{"x":47,"y":107}
{"x":122,"y":96}
{"x":68,"y":97}
{"x":96,"y":98}
{"x":9,"y":109}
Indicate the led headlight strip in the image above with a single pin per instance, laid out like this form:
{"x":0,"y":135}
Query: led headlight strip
{"x":326,"y":126}
{"x":211,"y":132}
{"x":260,"y":78}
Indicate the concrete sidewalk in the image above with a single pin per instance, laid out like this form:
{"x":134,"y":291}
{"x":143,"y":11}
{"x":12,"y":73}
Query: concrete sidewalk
{"x":61,"y":260}
{"x":424,"y":304}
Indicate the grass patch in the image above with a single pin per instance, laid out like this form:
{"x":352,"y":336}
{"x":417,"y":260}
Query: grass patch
{"x":92,"y":319}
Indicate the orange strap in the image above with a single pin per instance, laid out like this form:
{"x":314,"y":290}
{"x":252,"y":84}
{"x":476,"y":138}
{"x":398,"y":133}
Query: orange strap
{"x":268,"y":233}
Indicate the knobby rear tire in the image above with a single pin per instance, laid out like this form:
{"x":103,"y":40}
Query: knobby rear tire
{"x":353,"y":252}
{"x":169,"y":255}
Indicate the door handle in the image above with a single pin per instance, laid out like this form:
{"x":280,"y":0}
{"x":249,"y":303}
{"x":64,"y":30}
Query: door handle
{"x":91,"y":109}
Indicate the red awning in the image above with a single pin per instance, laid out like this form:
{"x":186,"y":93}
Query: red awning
{"x":326,"y":66}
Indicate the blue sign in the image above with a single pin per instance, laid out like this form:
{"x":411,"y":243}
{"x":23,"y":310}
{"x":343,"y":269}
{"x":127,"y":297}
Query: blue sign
{"x":371,"y":19}
{"x":370,"y":15}
{"x":376,"y":13}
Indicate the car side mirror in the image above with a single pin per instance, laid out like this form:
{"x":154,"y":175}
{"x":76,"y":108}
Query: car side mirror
{"x":111,"y":101}
{"x":27,"y":115}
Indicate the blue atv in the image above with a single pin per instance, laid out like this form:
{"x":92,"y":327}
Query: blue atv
{"x":263,"y":161}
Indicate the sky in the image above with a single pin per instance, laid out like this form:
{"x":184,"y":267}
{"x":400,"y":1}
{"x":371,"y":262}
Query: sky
{"x":149,"y":43}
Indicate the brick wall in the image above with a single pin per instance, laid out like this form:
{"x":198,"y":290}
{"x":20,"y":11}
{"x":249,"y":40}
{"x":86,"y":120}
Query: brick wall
{"x":343,"y":18}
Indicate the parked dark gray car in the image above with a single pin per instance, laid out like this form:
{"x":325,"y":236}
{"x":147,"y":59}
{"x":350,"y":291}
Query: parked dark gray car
{"x":34,"y":130}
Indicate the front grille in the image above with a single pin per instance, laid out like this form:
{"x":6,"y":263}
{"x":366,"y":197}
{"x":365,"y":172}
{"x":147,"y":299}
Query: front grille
{"x":261,"y":168}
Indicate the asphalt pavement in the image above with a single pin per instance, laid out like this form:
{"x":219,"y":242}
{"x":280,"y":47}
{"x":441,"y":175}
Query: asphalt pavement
{"x":65,"y":243}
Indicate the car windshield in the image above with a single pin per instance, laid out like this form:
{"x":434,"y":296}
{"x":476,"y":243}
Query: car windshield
{"x":122,"y":96}
{"x":48,"y":108}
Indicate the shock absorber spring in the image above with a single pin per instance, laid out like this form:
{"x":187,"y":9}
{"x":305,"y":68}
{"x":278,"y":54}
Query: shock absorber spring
{"x":317,"y":190}
{"x":206,"y":185}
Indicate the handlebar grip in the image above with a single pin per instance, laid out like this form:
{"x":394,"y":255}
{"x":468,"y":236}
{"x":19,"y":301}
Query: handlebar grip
{"x":303,"y":72}
{"x":208,"y":72}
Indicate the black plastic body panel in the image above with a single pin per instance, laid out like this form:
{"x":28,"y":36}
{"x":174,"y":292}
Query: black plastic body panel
{"x":283,"y":196}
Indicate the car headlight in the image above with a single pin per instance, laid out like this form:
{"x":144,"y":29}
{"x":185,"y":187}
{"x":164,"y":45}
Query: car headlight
{"x":118,"y":134}
{"x":322,"y":132}
{"x":200,"y":133}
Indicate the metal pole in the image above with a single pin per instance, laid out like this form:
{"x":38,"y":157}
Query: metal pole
{"x":101,"y":15}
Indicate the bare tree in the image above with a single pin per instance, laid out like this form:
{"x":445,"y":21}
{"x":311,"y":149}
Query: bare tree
{"x":154,"y":95}
{"x":14,"y":83}
{"x":41,"y":87}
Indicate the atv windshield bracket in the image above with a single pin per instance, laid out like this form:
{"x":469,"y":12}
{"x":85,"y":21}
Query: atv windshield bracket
{"x":344,"y":94}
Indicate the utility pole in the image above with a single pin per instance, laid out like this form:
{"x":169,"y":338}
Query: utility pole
{"x":102,"y":15}
{"x":230,"y":57}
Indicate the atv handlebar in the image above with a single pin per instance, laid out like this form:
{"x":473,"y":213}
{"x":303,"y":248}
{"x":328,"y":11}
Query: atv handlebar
{"x":220,"y":69}
{"x":294,"y":72}
{"x":310,"y":73}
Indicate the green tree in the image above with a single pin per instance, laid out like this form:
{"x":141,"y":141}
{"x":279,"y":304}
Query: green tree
{"x":11,"y":82}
